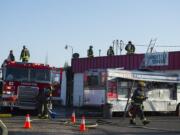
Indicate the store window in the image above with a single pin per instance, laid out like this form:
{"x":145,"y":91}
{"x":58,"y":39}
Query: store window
{"x":92,"y":80}
{"x":122,"y":88}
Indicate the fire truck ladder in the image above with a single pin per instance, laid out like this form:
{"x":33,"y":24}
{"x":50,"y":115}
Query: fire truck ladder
{"x":148,"y":51}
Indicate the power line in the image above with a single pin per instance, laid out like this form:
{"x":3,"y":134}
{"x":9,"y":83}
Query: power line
{"x":161,"y":45}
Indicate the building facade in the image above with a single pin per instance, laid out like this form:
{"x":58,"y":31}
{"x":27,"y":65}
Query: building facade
{"x":164,"y":62}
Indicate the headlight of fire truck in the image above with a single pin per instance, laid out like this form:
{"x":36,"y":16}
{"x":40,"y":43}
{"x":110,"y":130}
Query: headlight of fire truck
{"x":9,"y":86}
{"x":8,"y":90}
{"x":9,"y":96}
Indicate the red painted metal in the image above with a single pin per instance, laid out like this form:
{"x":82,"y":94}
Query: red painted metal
{"x":129,"y":62}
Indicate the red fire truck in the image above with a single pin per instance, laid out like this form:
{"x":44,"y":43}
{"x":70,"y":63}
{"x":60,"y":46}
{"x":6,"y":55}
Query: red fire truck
{"x":23,"y":81}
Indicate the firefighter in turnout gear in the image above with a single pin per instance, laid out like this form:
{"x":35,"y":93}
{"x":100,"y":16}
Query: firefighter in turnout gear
{"x":25,"y":55}
{"x":110,"y":51}
{"x":130,"y":48}
{"x":90,"y":52}
{"x":43,"y":100}
{"x":136,"y":107}
{"x":11,"y":56}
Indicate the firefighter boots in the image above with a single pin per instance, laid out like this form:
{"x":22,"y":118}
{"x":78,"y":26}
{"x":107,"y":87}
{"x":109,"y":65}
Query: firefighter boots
{"x":145,"y":122}
{"x":132,"y":122}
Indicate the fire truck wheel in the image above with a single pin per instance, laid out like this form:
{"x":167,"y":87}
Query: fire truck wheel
{"x":178,"y":110}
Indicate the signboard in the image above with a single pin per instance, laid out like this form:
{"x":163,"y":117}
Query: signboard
{"x":156,"y":59}
{"x":142,"y":75}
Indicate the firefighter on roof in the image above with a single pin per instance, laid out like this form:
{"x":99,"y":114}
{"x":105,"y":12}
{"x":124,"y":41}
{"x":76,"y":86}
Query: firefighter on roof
{"x":25,"y":55}
{"x":110,"y":51}
{"x":4,"y":63}
{"x":90,"y":52}
{"x":136,"y":107}
{"x":130,"y":48}
{"x":11,"y":56}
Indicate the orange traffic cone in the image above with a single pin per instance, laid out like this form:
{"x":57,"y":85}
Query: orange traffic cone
{"x":73,"y":118}
{"x":82,"y":127}
{"x":27,"y":123}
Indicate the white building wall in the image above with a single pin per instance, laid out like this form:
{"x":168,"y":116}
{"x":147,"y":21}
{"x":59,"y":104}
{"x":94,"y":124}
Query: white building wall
{"x":78,"y":90}
{"x":170,"y":71}
{"x":175,"y":72}
{"x":63,"y":88}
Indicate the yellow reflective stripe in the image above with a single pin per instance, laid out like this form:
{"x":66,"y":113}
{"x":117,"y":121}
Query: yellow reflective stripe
{"x":5,"y":115}
{"x":141,"y":97}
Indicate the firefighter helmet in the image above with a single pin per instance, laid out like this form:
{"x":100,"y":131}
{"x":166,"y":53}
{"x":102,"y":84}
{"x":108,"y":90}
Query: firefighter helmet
{"x":141,"y":84}
{"x":129,"y":42}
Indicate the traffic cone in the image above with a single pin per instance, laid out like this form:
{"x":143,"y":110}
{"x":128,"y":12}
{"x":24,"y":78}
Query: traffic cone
{"x":73,"y":118}
{"x":27,"y":123}
{"x":82,"y":127}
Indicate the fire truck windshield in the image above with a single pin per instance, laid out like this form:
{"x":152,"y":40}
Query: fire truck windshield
{"x":24,"y":74}
{"x":39,"y":75}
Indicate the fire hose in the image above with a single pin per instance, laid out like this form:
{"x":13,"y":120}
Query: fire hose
{"x":3,"y":128}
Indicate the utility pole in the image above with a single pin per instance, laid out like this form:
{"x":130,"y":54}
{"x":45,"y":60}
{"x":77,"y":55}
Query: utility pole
{"x":99,"y":52}
{"x":68,"y":46}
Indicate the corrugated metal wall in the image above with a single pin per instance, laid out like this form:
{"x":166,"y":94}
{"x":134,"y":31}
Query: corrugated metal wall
{"x":128,"y":62}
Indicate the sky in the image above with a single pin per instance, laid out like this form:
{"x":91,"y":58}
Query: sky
{"x":47,"y":26}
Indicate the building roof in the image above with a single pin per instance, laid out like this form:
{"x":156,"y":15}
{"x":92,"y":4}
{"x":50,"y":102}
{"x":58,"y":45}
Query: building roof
{"x":128,"y":62}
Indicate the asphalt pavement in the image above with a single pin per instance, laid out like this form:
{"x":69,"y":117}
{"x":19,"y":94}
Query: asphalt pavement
{"x":160,"y":125}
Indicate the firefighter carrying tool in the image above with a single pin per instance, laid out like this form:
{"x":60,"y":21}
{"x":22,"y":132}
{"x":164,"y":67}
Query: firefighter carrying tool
{"x":137,"y":104}
{"x":3,"y":129}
